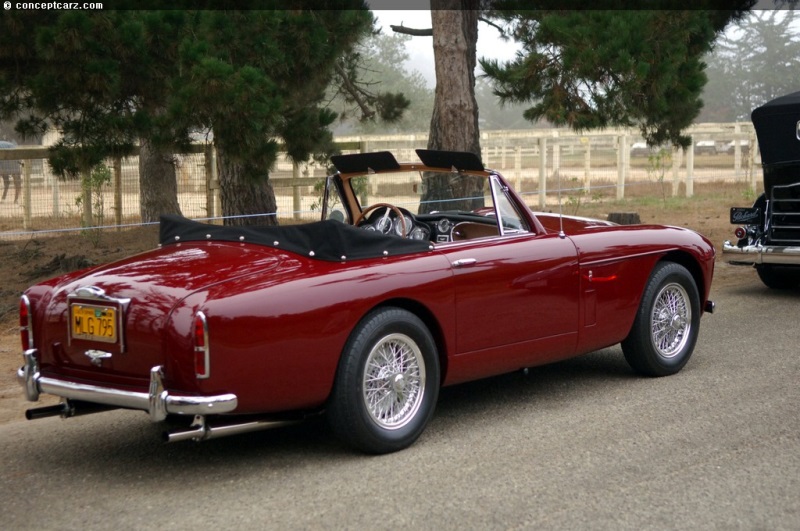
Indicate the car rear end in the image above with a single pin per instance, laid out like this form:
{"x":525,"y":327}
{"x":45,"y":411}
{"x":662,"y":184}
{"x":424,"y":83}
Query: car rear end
{"x":768,"y":235}
{"x":132,"y":334}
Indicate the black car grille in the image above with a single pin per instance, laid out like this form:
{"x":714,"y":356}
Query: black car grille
{"x":784,"y":214}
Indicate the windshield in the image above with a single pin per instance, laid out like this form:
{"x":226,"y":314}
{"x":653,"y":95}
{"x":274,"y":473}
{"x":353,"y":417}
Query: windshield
{"x":430,"y":196}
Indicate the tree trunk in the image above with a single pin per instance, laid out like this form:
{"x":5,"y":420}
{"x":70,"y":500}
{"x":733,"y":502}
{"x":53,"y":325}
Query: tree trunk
{"x":245,"y":191}
{"x":454,"y":123}
{"x":158,"y":187}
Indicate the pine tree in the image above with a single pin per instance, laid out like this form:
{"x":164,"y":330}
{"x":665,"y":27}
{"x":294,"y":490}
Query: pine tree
{"x":257,"y":77}
{"x":107,"y":79}
{"x":591,"y":69}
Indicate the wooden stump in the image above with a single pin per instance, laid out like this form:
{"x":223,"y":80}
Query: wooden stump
{"x":625,"y":218}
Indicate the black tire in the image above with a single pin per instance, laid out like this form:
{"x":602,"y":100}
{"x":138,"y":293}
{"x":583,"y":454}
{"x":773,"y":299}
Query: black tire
{"x":665,"y":329}
{"x":778,"y":278}
{"x":389,"y":410}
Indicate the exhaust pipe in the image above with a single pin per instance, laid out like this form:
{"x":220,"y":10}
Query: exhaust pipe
{"x":66,"y":409}
{"x":59,"y":410}
{"x":200,"y":431}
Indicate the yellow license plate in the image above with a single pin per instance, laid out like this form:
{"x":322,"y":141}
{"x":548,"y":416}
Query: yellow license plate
{"x":93,"y":323}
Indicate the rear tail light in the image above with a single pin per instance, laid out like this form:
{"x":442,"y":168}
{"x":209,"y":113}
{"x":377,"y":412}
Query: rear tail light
{"x":25,"y":323}
{"x":740,"y":232}
{"x":202,"y":368}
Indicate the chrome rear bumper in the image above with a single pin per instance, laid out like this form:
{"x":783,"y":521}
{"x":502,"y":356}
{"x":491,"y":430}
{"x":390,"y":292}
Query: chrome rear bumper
{"x":760,"y":254}
{"x":158,"y":402}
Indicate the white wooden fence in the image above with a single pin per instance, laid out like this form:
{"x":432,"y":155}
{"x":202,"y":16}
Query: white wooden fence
{"x":542,"y":164}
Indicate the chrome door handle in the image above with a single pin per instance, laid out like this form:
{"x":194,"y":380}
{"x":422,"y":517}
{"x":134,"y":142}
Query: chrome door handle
{"x":464,"y":262}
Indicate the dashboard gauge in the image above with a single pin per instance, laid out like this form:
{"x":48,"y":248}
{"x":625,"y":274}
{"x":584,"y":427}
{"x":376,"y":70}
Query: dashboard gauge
{"x":398,"y":225}
{"x":418,"y":234}
{"x":443,"y":226}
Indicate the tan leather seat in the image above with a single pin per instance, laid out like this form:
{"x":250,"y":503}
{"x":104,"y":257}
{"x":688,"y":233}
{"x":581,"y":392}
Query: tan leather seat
{"x":467,"y":230}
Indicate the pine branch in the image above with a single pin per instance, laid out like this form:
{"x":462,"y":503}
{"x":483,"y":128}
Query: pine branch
{"x":354,"y":92}
{"x":413,"y":32}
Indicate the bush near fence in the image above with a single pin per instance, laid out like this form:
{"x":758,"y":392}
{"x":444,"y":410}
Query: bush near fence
{"x":546,"y":166}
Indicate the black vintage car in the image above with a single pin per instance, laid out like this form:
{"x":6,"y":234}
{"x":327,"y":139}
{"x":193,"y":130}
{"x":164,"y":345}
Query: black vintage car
{"x":769,"y":231}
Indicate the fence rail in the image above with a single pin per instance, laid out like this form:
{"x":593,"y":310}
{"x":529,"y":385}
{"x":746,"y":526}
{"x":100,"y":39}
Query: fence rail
{"x":542,"y":164}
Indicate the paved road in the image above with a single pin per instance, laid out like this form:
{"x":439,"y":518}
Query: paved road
{"x":581,"y":444}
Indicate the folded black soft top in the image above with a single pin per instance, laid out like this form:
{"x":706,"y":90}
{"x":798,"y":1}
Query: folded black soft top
{"x":323,"y":240}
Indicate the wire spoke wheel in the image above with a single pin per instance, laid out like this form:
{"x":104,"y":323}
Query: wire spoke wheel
{"x":387,"y":382}
{"x":664,"y":331}
{"x":671,"y":320}
{"x":394,"y":381}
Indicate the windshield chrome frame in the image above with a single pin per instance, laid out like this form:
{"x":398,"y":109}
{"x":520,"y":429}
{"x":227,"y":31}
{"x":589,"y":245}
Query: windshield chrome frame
{"x":494,"y":183}
{"x":325,"y":194}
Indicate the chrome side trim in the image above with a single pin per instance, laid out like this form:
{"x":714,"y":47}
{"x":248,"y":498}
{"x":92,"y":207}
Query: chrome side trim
{"x":760,"y":254}
{"x":158,"y":402}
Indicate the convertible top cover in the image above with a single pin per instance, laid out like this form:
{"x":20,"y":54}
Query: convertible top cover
{"x":328,"y":240}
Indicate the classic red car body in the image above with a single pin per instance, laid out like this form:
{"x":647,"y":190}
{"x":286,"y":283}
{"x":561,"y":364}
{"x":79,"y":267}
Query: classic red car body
{"x":278,"y":320}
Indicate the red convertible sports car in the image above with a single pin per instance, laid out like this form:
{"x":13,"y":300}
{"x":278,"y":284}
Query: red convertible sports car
{"x":419,"y":275}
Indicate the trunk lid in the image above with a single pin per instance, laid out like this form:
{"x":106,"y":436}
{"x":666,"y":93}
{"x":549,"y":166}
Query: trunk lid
{"x":115,"y":320}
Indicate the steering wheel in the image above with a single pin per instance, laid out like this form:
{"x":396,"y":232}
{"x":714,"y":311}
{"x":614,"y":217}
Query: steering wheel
{"x":389,"y":207}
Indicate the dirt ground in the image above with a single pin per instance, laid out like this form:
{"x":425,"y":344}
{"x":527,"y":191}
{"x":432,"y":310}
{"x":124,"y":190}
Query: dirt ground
{"x":26,"y":262}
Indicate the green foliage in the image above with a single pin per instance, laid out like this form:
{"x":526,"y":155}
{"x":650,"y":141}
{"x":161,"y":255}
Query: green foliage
{"x":92,"y":189}
{"x":748,"y":194}
{"x":257,"y":76}
{"x":87,"y":74}
{"x":253,"y":75}
{"x":591,"y":69}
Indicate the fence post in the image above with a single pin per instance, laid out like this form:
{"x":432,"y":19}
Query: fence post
{"x":56,"y":190}
{"x":211,"y":183}
{"x":518,"y":167}
{"x":86,"y":198}
{"x":737,"y":151}
{"x":690,"y":170}
{"x":542,"y":173}
{"x":676,"y":162}
{"x":623,"y":163}
{"x":296,"y":200}
{"x":556,"y":154}
{"x":587,"y":164}
{"x":26,"y":189}
{"x":118,"y":192}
